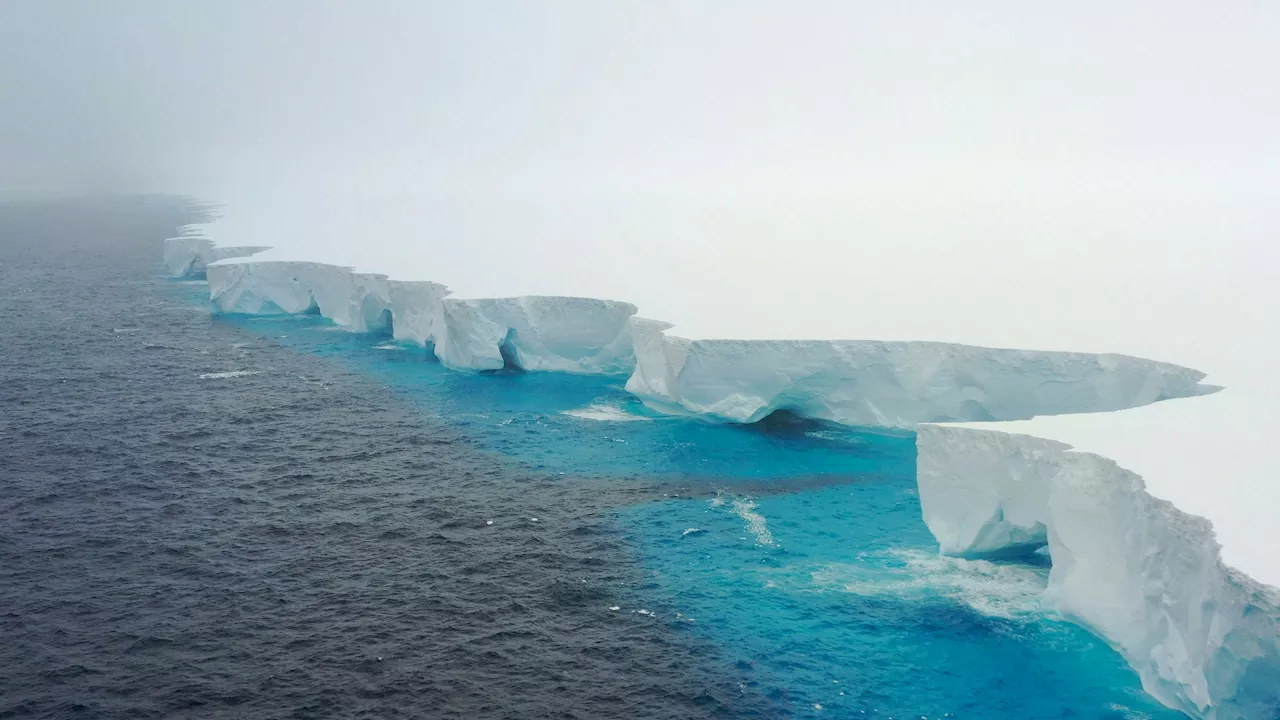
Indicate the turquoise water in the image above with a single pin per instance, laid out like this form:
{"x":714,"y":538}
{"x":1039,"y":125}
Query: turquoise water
{"x":796,"y":548}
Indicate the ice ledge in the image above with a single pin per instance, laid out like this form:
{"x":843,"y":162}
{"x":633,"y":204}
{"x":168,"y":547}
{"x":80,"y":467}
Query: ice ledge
{"x":888,"y":384}
{"x":1140,"y":573}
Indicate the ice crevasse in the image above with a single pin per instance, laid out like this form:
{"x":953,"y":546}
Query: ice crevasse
{"x":1137,"y":571}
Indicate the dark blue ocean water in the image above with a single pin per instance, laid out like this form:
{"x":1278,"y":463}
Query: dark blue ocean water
{"x":212,"y":516}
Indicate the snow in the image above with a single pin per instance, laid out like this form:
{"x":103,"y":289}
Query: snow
{"x":1134,"y":568}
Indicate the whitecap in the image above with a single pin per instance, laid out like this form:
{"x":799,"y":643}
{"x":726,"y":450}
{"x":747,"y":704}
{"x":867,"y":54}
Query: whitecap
{"x":756,"y":524}
{"x":225,"y":375}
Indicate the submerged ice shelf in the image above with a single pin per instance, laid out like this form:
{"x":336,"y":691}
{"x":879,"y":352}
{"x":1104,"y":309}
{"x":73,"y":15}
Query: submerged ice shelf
{"x":1131,"y":567}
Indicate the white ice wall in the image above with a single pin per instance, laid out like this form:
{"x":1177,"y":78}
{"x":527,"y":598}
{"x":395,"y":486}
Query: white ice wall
{"x":888,"y":384}
{"x":536,"y":333}
{"x":189,"y":254}
{"x":1147,"y":577}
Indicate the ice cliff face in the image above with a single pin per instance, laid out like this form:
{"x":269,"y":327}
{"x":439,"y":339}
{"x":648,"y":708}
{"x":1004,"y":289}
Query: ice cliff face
{"x":887,"y":384}
{"x":188,"y":255}
{"x":565,"y":334}
{"x":536,"y":333}
{"x":1142,"y":574}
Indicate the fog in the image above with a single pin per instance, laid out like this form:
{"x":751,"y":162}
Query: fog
{"x":1092,"y":175}
{"x":1095,"y":176}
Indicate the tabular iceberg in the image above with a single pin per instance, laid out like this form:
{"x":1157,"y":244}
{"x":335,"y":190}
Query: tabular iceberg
{"x":1148,"y":578}
{"x":1140,"y":573}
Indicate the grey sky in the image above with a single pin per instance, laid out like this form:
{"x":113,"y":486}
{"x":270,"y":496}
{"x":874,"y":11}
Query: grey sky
{"x":709,"y":96}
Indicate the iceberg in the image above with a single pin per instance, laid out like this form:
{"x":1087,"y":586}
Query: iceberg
{"x":1142,"y":574}
{"x":1137,"y":571}
{"x":888,"y":384}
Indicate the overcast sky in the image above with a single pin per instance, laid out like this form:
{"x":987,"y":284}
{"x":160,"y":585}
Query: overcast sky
{"x":744,"y":168}
{"x":708,"y":95}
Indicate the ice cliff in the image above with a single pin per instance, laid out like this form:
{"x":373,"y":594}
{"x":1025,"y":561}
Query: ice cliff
{"x":187,"y":255}
{"x":1140,"y":573}
{"x":887,"y":384}
{"x":535,"y":333}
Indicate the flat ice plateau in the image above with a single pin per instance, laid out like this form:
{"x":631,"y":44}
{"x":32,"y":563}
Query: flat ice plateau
{"x":1152,"y":492}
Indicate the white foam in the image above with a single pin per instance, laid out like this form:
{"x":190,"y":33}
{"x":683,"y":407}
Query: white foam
{"x":228,"y":374}
{"x":603,"y":413}
{"x":756,"y":523}
{"x":999,"y":590}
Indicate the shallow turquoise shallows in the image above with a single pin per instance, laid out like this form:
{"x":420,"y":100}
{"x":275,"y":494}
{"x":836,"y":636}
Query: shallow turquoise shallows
{"x":797,"y":549}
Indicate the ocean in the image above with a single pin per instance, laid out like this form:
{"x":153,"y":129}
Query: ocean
{"x":205,"y":515}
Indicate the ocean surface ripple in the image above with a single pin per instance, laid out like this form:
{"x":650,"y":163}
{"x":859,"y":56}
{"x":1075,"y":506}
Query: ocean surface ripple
{"x":195,"y":523}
